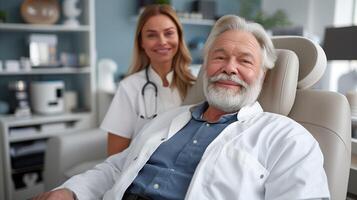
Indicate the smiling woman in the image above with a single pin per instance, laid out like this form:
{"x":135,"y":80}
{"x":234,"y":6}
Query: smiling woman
{"x":158,"y":78}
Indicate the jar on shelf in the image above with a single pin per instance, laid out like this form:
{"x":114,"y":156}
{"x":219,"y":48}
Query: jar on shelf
{"x":40,"y":11}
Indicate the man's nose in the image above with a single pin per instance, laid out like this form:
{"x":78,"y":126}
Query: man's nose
{"x":231,"y":67}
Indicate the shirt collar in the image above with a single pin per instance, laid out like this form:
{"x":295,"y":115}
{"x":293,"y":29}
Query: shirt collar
{"x":154,"y":77}
{"x":198,"y":110}
{"x":242,"y":115}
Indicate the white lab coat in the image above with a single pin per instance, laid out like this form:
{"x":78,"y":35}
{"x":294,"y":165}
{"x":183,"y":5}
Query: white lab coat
{"x":123,"y":116}
{"x":261,"y":156}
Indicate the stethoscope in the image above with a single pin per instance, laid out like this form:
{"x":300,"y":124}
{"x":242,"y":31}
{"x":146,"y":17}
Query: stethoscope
{"x":146,"y":85}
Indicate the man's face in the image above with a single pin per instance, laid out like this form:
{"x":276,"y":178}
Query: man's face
{"x":233,"y":71}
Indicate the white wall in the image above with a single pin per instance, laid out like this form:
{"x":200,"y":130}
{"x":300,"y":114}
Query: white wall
{"x":343,"y":13}
{"x":313,"y":15}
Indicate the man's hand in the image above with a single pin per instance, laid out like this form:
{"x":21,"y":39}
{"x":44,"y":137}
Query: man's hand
{"x":60,"y":194}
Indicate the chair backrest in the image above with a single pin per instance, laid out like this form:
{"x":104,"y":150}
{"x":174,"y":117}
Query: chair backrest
{"x":300,"y":64}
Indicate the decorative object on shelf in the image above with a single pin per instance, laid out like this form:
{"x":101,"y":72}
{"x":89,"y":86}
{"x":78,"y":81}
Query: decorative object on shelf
{"x":83,"y":60}
{"x":43,"y":50}
{"x":71,"y":12}
{"x":47,"y":97}
{"x":2,"y":16}
{"x":12,"y":65}
{"x":4,"y":108}
{"x":25,"y":64}
{"x":206,"y":7}
{"x":250,"y":9}
{"x":196,"y":46}
{"x":19,"y":103}
{"x":69,"y":59}
{"x":30,"y":179}
{"x":70,"y":100}
{"x":40,"y":11}
{"x":142,"y":3}
{"x":106,"y":71}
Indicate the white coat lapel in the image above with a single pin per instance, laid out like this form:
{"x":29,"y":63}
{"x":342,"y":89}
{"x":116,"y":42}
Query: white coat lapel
{"x":178,"y":123}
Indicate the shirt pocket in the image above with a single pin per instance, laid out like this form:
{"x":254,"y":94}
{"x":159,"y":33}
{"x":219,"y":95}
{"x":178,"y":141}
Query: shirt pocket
{"x":237,"y":175}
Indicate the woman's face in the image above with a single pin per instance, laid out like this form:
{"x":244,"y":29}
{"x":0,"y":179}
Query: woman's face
{"x":159,"y":39}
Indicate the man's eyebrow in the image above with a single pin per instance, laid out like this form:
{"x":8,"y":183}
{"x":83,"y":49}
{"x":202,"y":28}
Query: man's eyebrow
{"x":218,"y":50}
{"x":247,"y":54}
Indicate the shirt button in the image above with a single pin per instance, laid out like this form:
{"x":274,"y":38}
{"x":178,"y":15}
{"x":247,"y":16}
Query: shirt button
{"x":162,"y":139}
{"x":207,"y":125}
{"x":156,"y":186}
{"x":172,"y":170}
{"x":135,"y":158}
{"x":194,"y":141}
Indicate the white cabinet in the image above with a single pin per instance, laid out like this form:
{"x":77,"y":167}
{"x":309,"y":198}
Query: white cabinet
{"x":19,"y":135}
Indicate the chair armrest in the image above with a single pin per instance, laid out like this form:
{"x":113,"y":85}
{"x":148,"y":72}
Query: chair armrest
{"x":66,"y":151}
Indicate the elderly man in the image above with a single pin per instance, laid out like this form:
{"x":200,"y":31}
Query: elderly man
{"x":225,"y":148}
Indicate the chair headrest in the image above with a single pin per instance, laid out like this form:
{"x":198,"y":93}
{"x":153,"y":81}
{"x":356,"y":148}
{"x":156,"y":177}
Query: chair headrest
{"x":300,"y":64}
{"x":312,"y":58}
{"x":279,"y":88}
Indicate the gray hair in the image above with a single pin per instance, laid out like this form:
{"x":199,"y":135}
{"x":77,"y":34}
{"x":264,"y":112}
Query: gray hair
{"x":233,"y":22}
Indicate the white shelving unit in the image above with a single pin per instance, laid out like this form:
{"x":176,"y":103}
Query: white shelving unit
{"x":61,"y":70}
{"x":43,"y":28}
{"x":21,"y":130}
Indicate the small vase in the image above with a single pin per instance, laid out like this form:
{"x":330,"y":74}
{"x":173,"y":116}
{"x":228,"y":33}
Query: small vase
{"x":71,"y":12}
{"x":40,"y":11}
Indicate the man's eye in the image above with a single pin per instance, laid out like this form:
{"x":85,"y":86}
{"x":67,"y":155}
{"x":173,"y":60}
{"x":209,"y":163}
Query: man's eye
{"x":219,"y":58}
{"x":247,"y":61}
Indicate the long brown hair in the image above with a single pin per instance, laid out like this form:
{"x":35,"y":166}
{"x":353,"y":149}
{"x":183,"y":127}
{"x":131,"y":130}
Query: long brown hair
{"x":182,"y":78}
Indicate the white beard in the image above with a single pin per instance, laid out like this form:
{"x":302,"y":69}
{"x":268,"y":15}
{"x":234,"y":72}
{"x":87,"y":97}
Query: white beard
{"x":231,"y":100}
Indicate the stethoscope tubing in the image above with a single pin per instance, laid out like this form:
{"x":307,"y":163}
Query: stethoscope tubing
{"x":146,"y":85}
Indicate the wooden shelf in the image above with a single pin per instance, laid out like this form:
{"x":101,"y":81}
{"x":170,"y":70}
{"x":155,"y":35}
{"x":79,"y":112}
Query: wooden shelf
{"x":58,"y":70}
{"x":42,"y":28}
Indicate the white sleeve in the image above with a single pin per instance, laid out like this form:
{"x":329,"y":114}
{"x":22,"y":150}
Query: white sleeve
{"x":121,"y":116}
{"x":296,"y":170}
{"x":93,"y":183}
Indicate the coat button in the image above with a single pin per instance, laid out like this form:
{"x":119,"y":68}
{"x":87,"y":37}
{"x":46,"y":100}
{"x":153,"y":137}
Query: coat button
{"x":156,"y":186}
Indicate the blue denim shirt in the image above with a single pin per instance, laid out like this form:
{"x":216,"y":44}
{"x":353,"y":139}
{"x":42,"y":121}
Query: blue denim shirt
{"x":168,"y":172}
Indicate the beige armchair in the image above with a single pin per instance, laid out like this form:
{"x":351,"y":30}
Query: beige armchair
{"x":300,"y":64}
